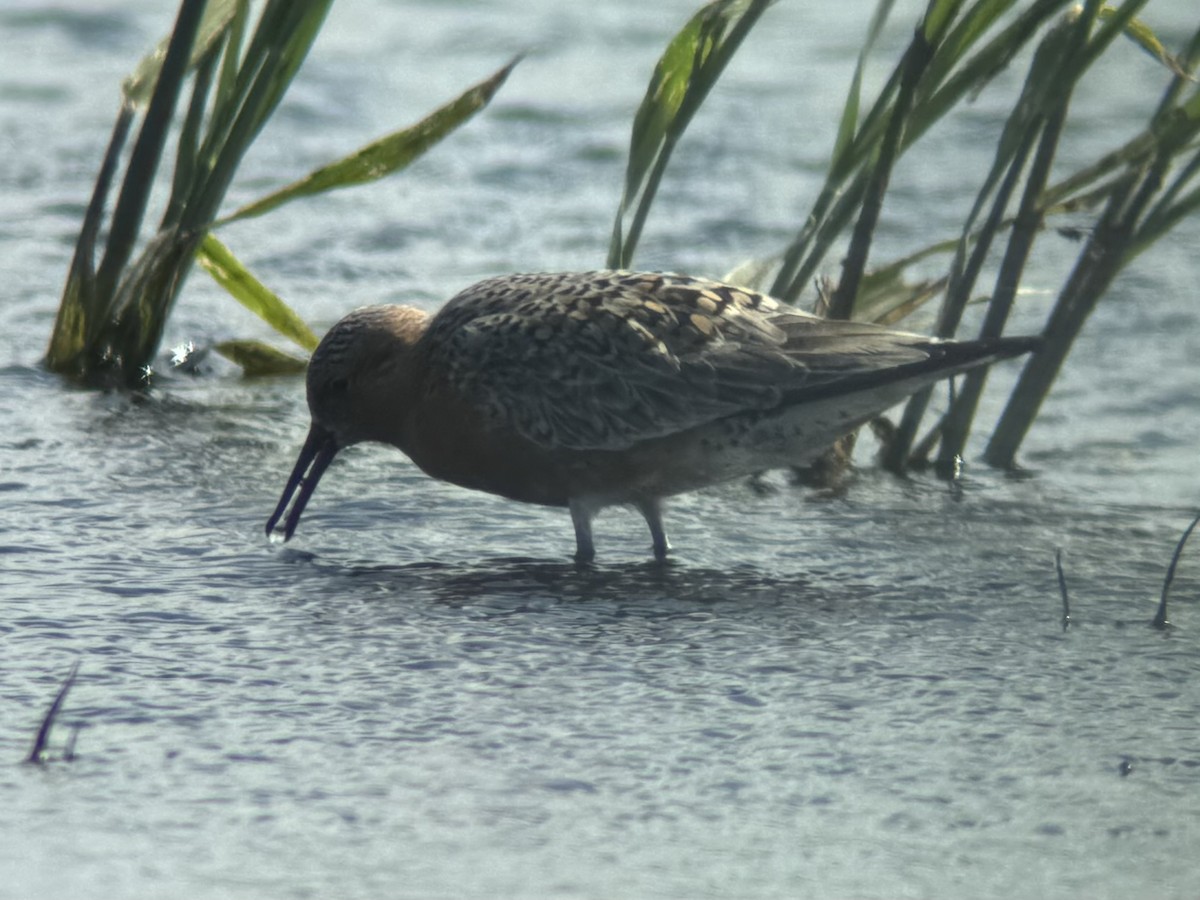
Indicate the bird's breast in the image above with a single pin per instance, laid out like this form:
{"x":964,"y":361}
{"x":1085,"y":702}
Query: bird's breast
{"x":458,"y":446}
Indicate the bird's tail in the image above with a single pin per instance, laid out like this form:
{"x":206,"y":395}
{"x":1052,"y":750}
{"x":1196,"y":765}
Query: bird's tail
{"x":943,"y":359}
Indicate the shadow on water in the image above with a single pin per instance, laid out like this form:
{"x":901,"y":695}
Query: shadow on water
{"x":528,"y":584}
{"x":974,"y":567}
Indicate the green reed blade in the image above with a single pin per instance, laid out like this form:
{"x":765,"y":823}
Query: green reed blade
{"x":79,"y":306}
{"x":386,"y":155}
{"x":146,"y":155}
{"x":139,"y":86}
{"x":258,"y":359}
{"x":228,"y":271}
{"x":949,"y":76}
{"x":685,"y":73}
{"x":848,"y":124}
{"x":279,"y":45}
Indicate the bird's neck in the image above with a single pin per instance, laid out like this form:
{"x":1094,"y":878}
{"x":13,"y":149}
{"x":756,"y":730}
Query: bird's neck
{"x":399,"y":378}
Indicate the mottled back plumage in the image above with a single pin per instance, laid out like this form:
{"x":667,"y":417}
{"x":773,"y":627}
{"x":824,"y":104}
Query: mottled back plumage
{"x":604,"y":360}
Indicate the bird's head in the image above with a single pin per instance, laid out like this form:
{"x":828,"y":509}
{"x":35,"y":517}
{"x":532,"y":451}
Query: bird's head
{"x":361,"y":378}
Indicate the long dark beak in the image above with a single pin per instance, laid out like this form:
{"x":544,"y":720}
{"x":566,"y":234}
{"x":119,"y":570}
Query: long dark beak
{"x":320,"y":447}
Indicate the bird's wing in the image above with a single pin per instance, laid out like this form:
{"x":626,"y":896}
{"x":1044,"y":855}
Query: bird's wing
{"x":604,"y":360}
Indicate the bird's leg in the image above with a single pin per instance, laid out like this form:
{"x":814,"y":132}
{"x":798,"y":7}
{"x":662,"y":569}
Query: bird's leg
{"x":651,"y":510}
{"x":581,"y":517}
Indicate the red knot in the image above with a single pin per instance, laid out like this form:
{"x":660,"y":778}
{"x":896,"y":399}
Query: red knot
{"x":593,"y":389}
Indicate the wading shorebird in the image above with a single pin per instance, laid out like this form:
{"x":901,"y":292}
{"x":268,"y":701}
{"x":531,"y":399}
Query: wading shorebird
{"x":594,"y":389}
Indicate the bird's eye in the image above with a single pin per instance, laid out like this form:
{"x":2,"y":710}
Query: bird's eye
{"x":339,"y":385}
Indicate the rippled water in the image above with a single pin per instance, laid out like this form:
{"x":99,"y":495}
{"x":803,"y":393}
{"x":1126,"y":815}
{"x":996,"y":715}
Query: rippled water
{"x":866,"y":694}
